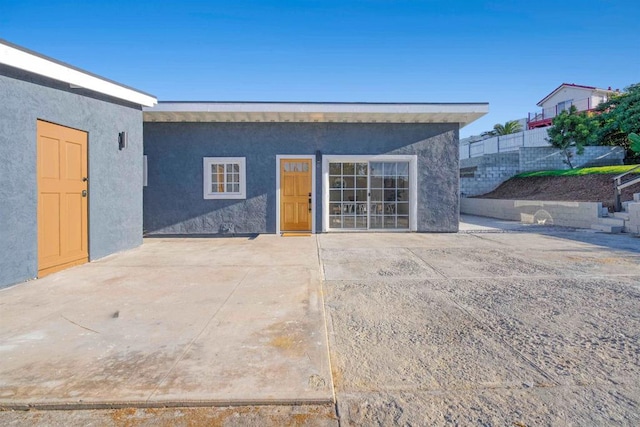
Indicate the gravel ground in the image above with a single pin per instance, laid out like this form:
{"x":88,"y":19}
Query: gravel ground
{"x":490,"y":329}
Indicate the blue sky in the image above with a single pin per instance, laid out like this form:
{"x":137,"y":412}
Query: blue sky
{"x":508,"y":53}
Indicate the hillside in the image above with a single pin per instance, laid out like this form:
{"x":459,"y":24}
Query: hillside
{"x":586,"y":188}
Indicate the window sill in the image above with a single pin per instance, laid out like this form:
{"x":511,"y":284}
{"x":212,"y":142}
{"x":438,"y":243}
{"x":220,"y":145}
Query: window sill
{"x":225,"y":196}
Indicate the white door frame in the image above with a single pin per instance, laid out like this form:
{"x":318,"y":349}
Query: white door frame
{"x":413,"y":186}
{"x":311,"y":157}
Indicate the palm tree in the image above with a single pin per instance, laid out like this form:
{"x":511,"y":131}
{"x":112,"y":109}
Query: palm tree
{"x":509,"y":127}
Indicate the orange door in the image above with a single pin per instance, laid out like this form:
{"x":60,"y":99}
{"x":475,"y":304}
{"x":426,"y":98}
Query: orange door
{"x":295,"y":194}
{"x":62,"y":198}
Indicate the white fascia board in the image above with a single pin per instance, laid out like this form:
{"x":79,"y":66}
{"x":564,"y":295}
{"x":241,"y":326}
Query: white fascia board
{"x":462,"y":114}
{"x":293,"y":107}
{"x":27,"y":61}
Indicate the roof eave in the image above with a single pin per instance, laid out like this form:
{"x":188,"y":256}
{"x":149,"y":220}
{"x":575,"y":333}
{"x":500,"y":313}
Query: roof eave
{"x":543,"y":100}
{"x":461,"y":113}
{"x":32,"y":62}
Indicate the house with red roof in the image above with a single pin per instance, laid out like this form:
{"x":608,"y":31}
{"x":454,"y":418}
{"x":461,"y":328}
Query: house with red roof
{"x":584,"y":98}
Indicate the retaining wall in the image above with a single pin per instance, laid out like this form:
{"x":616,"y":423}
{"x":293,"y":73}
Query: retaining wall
{"x":633,"y":224}
{"x":567,"y":214}
{"x":480,"y":175}
{"x":549,"y":158}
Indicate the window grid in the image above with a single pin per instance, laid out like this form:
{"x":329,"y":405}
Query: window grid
{"x":348,"y":195}
{"x":372,"y":195}
{"x":224,"y":178}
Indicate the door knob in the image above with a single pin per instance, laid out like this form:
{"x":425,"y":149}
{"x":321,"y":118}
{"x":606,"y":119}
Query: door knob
{"x":84,"y":193}
{"x":84,"y":179}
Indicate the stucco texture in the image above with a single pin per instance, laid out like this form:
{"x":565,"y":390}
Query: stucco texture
{"x":173,"y":199}
{"x":115,"y":177}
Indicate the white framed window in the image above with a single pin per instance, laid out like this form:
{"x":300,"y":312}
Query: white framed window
{"x":377,"y":192}
{"x":565,"y":105}
{"x":224,"y":178}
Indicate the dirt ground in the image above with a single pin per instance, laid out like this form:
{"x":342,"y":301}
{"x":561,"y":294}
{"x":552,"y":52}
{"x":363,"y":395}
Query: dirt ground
{"x":235,"y":416}
{"x":488,"y":329}
{"x":588,"y":188}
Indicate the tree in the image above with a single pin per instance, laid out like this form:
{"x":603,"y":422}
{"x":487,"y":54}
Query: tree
{"x":619,"y":117}
{"x":572,"y":129}
{"x":634,"y":139}
{"x":512,"y":126}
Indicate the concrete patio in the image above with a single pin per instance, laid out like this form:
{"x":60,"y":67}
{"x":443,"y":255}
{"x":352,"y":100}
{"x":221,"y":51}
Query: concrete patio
{"x":175,"y":322}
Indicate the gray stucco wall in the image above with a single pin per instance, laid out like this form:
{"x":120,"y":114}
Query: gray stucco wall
{"x":173,"y":200}
{"x":115,"y":177}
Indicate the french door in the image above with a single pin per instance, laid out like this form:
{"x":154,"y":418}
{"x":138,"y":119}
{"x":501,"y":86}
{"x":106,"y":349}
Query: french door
{"x":369,"y":194}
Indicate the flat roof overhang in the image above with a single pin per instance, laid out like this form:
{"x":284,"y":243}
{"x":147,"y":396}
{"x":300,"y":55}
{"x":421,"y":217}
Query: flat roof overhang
{"x":316,"y":112}
{"x":23,"y":59}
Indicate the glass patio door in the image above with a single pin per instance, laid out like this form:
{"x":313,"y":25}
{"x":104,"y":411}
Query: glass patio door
{"x":389,"y":201}
{"x":369,"y":195}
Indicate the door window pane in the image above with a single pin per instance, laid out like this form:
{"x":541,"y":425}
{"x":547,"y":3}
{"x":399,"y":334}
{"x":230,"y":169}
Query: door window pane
{"x":348,"y":182}
{"x":361,"y":195}
{"x":292,"y":166}
{"x":389,"y":169}
{"x":376,"y":169}
{"x":361,"y":182}
{"x":348,"y":169}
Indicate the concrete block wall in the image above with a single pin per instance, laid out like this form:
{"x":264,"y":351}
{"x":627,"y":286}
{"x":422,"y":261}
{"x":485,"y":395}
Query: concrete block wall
{"x":488,"y":172}
{"x":482,"y":174}
{"x":549,"y":158}
{"x":632,"y":225}
{"x":567,"y":214}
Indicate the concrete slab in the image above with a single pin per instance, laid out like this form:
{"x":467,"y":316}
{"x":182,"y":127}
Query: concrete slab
{"x":174,"y":322}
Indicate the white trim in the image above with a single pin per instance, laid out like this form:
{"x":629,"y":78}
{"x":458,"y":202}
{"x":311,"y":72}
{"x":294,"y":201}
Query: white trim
{"x":311,"y":157}
{"x":206,"y":178}
{"x":310,"y":112}
{"x":319,"y":107}
{"x":18,"y":58}
{"x":413,"y":186}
